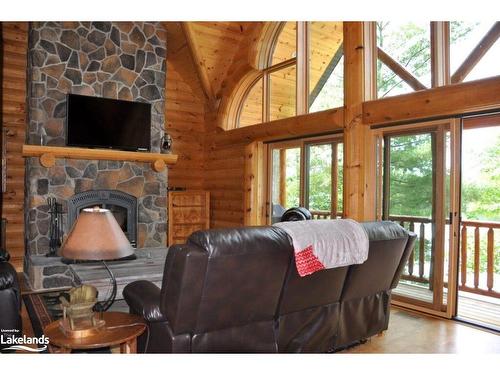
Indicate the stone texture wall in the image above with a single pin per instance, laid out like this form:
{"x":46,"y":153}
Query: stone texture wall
{"x":121,"y":60}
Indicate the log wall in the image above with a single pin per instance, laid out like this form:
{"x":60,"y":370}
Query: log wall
{"x":13,"y":107}
{"x":184,"y":112}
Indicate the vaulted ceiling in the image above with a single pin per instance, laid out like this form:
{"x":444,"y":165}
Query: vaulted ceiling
{"x":214,"y":46}
{"x":223,"y":52}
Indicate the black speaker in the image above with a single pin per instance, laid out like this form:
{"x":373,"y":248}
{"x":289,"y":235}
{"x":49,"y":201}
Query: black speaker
{"x":296,"y":214}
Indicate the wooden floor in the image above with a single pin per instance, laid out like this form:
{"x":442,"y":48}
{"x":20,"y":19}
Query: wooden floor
{"x":417,"y":333}
{"x":472,"y":307}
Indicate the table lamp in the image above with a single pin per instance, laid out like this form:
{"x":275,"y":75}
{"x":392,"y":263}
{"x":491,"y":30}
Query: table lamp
{"x":97,"y":236}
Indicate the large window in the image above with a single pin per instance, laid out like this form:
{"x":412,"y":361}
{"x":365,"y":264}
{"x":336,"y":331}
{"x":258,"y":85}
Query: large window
{"x":285,"y":48}
{"x":307,"y":173}
{"x":404,"y":57}
{"x":275,"y":92}
{"x":405,"y":62}
{"x":326,"y":66}
{"x":251,"y":111}
{"x":474,"y":50}
{"x":282,"y":84}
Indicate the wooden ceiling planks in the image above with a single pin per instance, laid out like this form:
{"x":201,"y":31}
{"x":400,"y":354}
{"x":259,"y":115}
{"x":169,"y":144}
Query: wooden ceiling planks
{"x":286,"y":45}
{"x":217,"y":44}
{"x":325,"y":39}
{"x":251,"y":113}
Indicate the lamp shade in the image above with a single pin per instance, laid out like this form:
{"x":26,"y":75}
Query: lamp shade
{"x":96,"y":235}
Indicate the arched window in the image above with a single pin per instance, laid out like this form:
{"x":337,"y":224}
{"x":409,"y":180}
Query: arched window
{"x":273,"y":95}
{"x":251,"y":110}
{"x":285,"y":47}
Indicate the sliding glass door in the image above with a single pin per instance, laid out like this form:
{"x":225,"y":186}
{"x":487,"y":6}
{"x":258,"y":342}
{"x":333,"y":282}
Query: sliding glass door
{"x":414,"y":191}
{"x":479,"y":267}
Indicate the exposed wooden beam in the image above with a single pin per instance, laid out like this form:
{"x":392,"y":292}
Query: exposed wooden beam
{"x":298,"y":126}
{"x":326,"y":74}
{"x":439,"y":102}
{"x":477,"y":53}
{"x":400,"y":70}
{"x":199,"y":63}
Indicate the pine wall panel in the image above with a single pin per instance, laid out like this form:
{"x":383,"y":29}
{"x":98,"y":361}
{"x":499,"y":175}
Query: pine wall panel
{"x":184,"y":112}
{"x":15,"y":46}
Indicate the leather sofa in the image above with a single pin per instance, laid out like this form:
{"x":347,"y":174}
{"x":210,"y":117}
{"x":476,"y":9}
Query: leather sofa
{"x":10,"y":300}
{"x":237,"y":290}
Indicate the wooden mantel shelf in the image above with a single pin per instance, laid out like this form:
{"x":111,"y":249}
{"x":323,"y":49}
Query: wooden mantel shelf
{"x":49,"y":154}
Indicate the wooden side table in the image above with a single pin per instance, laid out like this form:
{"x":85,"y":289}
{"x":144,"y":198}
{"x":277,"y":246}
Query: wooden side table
{"x":121,"y":329}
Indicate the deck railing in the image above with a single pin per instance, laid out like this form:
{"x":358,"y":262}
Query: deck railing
{"x":323,"y":215}
{"x":481,"y":250}
{"x":491,"y":253}
{"x":417,"y":262}
{"x":418,"y":268}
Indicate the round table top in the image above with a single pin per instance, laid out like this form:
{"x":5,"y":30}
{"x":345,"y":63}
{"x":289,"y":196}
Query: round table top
{"x":127,"y":327}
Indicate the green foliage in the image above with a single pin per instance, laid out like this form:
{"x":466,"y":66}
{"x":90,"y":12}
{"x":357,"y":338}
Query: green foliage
{"x":409,"y":45}
{"x":411,"y":175}
{"x":411,"y":190}
{"x":481,"y":198}
{"x":320,"y":177}
{"x":292,"y":177}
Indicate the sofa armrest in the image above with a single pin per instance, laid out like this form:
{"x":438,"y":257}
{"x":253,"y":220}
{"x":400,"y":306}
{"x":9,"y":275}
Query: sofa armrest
{"x":8,"y":276}
{"x":143,"y":298}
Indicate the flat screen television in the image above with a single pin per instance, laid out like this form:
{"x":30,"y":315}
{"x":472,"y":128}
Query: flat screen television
{"x":108,"y":123}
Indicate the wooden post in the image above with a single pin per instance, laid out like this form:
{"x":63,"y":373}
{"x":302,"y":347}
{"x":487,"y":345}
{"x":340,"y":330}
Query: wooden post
{"x":302,"y":68}
{"x":440,"y":53}
{"x":359,"y":176}
{"x":334,"y":195}
{"x":254,"y":197}
{"x":283,"y":177}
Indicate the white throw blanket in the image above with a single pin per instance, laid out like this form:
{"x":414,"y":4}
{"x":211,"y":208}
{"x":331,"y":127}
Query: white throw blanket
{"x":321,"y":244}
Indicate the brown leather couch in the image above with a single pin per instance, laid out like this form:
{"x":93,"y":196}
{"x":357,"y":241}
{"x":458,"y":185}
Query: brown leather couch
{"x":237,"y":290}
{"x":10,"y":301}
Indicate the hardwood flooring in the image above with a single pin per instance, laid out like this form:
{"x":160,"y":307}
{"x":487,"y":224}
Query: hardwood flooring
{"x":474,"y":307}
{"x":411,"y":332}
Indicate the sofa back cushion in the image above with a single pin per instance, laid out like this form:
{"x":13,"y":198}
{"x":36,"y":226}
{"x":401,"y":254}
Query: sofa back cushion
{"x":245,"y":273}
{"x":225,"y":278}
{"x":388,"y":242}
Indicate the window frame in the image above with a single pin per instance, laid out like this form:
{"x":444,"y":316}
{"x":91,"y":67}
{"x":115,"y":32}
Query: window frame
{"x":301,"y":62}
{"x":303,"y":144}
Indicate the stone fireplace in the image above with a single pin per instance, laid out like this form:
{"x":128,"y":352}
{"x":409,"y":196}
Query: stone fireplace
{"x":120,"y":60}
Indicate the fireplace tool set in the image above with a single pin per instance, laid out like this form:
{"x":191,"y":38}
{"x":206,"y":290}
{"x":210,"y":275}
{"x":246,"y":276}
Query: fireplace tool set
{"x":55,"y":226}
